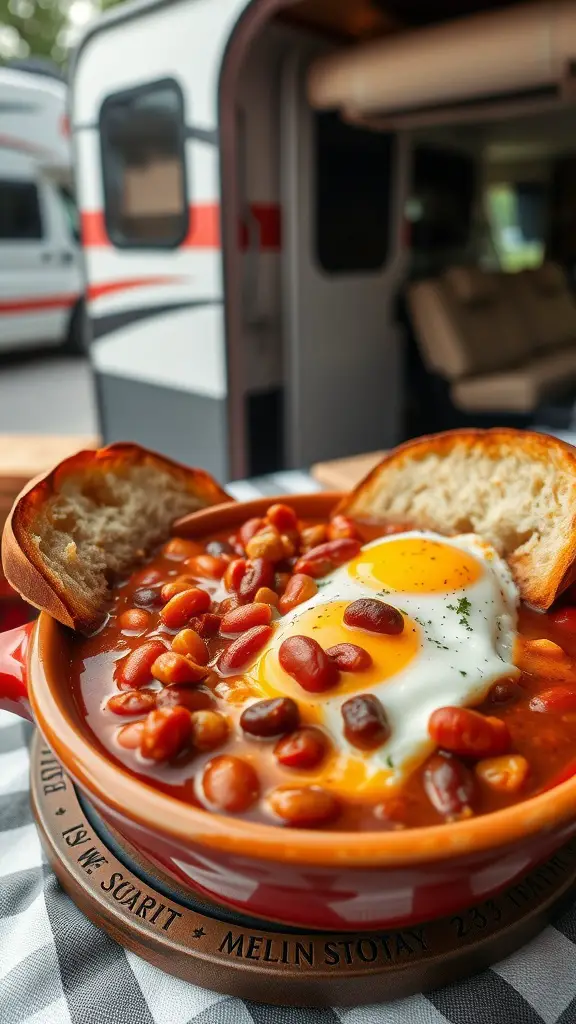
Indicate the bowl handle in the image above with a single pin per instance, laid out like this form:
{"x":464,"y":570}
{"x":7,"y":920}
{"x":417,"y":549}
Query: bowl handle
{"x":14,"y":672}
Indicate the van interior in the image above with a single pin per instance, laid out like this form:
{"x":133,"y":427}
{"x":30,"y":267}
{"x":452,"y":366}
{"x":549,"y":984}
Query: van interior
{"x":424,"y":154}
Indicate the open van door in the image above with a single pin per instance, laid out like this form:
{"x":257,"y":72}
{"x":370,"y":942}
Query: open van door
{"x":342,"y":200}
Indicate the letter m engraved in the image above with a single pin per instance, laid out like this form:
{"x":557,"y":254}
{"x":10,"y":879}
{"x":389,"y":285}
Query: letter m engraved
{"x":91,"y":859}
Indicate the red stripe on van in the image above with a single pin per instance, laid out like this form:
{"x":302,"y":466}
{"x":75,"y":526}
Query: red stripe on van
{"x":204,"y":231}
{"x":39,"y":304}
{"x":95,"y":291}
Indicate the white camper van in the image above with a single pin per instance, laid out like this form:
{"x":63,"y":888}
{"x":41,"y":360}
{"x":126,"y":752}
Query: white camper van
{"x":40,"y":274}
{"x":314,"y":228}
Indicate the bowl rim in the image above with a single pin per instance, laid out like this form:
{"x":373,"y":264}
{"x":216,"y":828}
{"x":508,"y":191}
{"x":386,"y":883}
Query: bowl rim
{"x":156,"y":812}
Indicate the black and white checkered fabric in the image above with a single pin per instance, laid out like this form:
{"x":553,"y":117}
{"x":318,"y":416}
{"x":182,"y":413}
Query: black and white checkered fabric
{"x":58,"y":968}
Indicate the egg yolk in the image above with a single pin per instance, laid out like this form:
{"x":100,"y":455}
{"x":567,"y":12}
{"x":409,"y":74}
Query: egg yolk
{"x":324,"y":623}
{"x":415,"y":565}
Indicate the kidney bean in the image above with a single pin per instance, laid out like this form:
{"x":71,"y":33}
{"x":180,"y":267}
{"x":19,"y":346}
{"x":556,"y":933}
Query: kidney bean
{"x":174,"y":669}
{"x":249,"y":529}
{"x":194,"y":698}
{"x":182,"y":607}
{"x":374,"y":616}
{"x":178,"y":548}
{"x":245,"y":617}
{"x":281,"y":581}
{"x":468,"y":733}
{"x":146,"y":597}
{"x":266,"y":544}
{"x":273,"y":717}
{"x":178,"y":586}
{"x":132,"y":702}
{"x":209,"y":730}
{"x":134,"y":620}
{"x":505,"y":691}
{"x":303,"y":659}
{"x":312,"y":536}
{"x":322,"y":559}
{"x":289,"y":545}
{"x":365,"y":722}
{"x":564,"y":619}
{"x":259,"y":573}
{"x":300,"y":588}
{"x":341,"y":526}
{"x":282,"y":517}
{"x":305,"y":806}
{"x":146,"y":577}
{"x":350,"y":657}
{"x":167,"y":731}
{"x":243,"y":651}
{"x":219,"y":547}
{"x":234,"y":574}
{"x":130,"y":736}
{"x":303,"y":748}
{"x":505,"y":774}
{"x":558,"y":699}
{"x":136,"y":670}
{"x":449,"y":787}
{"x":230,"y":784}
{"x":207,"y":566}
{"x":189,"y":643}
{"x":229,"y":604}
{"x":266,"y":596}
{"x":206,"y":625}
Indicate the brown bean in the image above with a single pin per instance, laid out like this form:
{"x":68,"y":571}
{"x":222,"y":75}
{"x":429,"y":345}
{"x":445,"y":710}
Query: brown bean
{"x":136,"y":670}
{"x":321,"y":560}
{"x":244,"y":650}
{"x":234,"y":574}
{"x":304,"y":748}
{"x":266,"y":596}
{"x":177,"y":586}
{"x":132,"y":702}
{"x":341,"y":526}
{"x":374,"y":616}
{"x":282,"y":517}
{"x":134,"y":620}
{"x":177,"y":548}
{"x":268,"y":718}
{"x":304,"y":807}
{"x":189,"y":643}
{"x":505,"y":691}
{"x":266,"y":544}
{"x":209,"y":730}
{"x":259,"y":573}
{"x":193,"y":698}
{"x":350,"y":657}
{"x":238,"y":620}
{"x":312,"y":536}
{"x":167,"y":731}
{"x":207,"y":566}
{"x":365,"y":722}
{"x":249,"y":529}
{"x":303,"y":658}
{"x":449,"y":786}
{"x":230,"y":783}
{"x":174,"y":669}
{"x":182,"y":607}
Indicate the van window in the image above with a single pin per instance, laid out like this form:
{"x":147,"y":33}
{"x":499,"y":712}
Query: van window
{"x":352,"y":196}
{"x":143,"y":163}
{"x":20,"y":218}
{"x":518,"y":215}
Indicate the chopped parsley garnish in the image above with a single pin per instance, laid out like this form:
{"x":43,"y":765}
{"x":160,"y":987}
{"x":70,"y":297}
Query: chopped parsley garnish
{"x":389,"y":762}
{"x":462,"y":673}
{"x":463,"y":609}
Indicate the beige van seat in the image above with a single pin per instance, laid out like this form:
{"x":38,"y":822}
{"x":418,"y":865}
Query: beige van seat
{"x":502,"y":340}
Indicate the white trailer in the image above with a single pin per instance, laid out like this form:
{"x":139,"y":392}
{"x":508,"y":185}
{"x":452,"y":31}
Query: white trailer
{"x":243,"y":172}
{"x":40,"y":267}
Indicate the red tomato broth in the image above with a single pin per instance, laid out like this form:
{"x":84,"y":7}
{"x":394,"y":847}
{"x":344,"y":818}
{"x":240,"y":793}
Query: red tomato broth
{"x":547,"y":741}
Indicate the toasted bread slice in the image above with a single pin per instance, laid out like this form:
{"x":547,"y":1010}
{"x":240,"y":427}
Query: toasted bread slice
{"x":92,"y":519}
{"x":515,"y":488}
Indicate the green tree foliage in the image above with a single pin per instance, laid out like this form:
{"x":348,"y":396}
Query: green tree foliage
{"x":44,"y":28}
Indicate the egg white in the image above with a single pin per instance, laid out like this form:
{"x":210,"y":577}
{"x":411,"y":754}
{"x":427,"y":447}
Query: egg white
{"x":457,"y":658}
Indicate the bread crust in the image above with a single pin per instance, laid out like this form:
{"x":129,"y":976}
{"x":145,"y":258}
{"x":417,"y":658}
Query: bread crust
{"x":539,"y":589}
{"x":24,"y":568}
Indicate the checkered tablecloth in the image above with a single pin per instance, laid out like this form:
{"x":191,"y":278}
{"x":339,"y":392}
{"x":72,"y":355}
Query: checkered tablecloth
{"x":58,"y":968}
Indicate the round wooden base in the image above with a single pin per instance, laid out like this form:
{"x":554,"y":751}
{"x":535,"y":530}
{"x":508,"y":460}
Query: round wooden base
{"x":220,"y":949}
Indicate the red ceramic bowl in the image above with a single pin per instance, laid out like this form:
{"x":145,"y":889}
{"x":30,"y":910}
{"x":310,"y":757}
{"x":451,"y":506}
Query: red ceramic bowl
{"x":306,"y":878}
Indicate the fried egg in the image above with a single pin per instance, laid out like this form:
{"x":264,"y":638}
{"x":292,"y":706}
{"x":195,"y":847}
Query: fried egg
{"x":460,"y":607}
